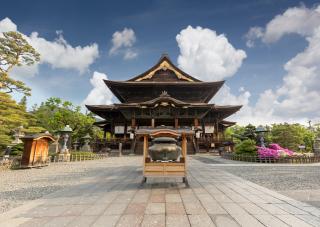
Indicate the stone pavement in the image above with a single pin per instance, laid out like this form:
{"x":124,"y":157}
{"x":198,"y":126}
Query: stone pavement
{"x":115,"y":198}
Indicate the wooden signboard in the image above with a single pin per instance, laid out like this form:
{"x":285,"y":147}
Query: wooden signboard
{"x":36,"y":149}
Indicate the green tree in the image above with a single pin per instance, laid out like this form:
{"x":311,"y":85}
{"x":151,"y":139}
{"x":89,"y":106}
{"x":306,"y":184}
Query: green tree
{"x":292,"y":135}
{"x":247,"y":147}
{"x":240,"y":133}
{"x":12,"y":115}
{"x":250,"y":132}
{"x":235,"y":133}
{"x":15,"y":51}
{"x":55,"y":113}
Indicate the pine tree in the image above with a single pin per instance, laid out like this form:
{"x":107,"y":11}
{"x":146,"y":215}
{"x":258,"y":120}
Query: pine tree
{"x":12,"y":115}
{"x":15,"y":51}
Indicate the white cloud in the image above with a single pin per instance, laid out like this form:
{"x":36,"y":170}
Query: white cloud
{"x":298,"y":98}
{"x":129,"y":54}
{"x":211,"y":57}
{"x":254,"y":33}
{"x":207,"y":55}
{"x":25,"y":71}
{"x":100,"y":94}
{"x":225,"y":97}
{"x":60,"y":54}
{"x":57,"y":53}
{"x":122,"y":42}
{"x":6,"y":25}
{"x":297,"y":20}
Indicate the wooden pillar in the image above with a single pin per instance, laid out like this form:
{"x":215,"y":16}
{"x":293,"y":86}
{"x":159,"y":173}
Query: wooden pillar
{"x":217,"y":130}
{"x":112,"y":128}
{"x":125,"y":131}
{"x":104,"y":133}
{"x":152,"y":123}
{"x":203,"y":127}
{"x":145,"y":149}
{"x":184,"y":145}
{"x":196,"y":122}
{"x":176,"y":123}
{"x":184,"y":151}
{"x":133,"y":123}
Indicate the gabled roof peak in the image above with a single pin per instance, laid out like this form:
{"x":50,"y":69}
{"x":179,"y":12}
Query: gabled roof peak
{"x":164,"y":70}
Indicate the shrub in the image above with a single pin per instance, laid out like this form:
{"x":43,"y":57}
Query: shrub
{"x":17,"y":149}
{"x":274,"y":151}
{"x":247,"y":147}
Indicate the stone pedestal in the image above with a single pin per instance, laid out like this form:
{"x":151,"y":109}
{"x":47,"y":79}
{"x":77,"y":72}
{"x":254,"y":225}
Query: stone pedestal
{"x":64,"y":157}
{"x":114,"y":153}
{"x":316,"y":146}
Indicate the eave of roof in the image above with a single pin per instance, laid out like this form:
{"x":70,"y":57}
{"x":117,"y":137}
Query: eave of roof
{"x":114,"y":86}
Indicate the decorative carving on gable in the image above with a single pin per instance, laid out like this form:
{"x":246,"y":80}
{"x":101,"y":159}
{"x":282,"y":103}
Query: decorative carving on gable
{"x":165,"y":65}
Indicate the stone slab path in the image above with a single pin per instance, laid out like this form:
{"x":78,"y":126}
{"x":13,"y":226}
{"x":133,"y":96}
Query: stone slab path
{"x":115,"y":198}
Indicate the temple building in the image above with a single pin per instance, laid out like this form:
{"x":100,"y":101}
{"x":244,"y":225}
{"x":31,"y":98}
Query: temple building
{"x":165,"y":96}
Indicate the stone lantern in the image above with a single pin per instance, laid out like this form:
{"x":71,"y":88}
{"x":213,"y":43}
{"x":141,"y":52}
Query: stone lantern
{"x":76,"y":144}
{"x":65,"y":134}
{"x":260,"y":130}
{"x":18,"y":133}
{"x":86,"y":146}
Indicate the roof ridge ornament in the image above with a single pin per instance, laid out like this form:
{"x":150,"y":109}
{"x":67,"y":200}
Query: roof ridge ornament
{"x":164,"y":94}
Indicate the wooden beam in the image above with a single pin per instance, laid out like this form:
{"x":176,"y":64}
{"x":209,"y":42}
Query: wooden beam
{"x":152,"y":123}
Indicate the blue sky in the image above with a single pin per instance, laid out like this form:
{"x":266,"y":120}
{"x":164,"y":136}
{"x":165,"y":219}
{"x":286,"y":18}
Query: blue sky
{"x":155,"y":25}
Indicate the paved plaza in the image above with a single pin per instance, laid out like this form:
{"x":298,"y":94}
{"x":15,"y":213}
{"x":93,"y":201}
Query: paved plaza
{"x":114,"y":197}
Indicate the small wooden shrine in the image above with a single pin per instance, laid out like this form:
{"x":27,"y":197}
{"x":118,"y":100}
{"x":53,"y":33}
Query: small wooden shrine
{"x":36,"y":149}
{"x":164,"y":96}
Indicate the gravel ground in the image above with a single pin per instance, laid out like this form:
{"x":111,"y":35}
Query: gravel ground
{"x":19,"y":186}
{"x":301,"y":182}
{"x":280,"y":178}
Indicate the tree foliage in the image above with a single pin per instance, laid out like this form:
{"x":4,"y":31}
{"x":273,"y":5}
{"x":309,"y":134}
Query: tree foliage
{"x":240,"y":133}
{"x":13,"y":115}
{"x":286,"y":135}
{"x":234,"y":133}
{"x":247,"y":147}
{"x":15,"y":51}
{"x":54,"y":114}
{"x":292,"y":135}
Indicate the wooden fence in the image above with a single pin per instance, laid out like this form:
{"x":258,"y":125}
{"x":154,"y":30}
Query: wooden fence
{"x":255,"y":158}
{"x":79,"y":157}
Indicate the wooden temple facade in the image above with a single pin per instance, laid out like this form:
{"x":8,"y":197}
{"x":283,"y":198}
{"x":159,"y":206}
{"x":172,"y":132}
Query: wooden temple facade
{"x":166,"y":97}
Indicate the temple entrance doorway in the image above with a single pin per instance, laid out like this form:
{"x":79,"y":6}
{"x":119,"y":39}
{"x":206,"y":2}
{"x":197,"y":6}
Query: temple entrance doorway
{"x":164,"y":122}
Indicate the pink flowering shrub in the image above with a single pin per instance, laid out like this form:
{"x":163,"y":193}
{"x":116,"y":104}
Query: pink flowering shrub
{"x":274,"y":151}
